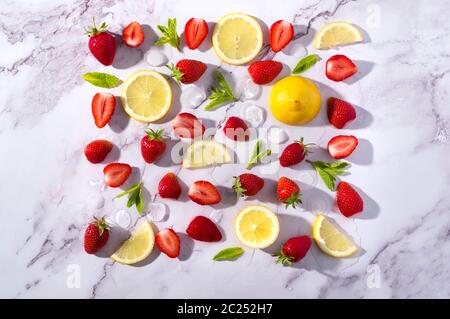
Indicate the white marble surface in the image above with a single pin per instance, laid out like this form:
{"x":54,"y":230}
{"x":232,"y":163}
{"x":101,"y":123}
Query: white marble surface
{"x":49,"y":191}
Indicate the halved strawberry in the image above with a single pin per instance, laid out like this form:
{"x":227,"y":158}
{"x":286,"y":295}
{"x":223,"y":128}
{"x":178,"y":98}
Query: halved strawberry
{"x":203,"y":229}
{"x":339,"y":67}
{"x":204,"y":193}
{"x":340,"y":113}
{"x":342,"y":146}
{"x":236,"y":129}
{"x":116,"y":174}
{"x":195,"y":32}
{"x":97,"y":150}
{"x":281,"y":33}
{"x":168,"y":242}
{"x":103,"y":105}
{"x":187,"y":125}
{"x":133,"y":35}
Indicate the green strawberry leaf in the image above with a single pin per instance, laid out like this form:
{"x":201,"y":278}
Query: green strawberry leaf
{"x":103,"y":80}
{"x":228,"y":254}
{"x":305,"y":64}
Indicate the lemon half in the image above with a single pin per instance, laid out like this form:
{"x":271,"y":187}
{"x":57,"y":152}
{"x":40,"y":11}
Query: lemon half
{"x":257,"y":227}
{"x":206,"y":153}
{"x":138,"y":246}
{"x":237,"y":38}
{"x":335,"y":34}
{"x":330,"y":240}
{"x":146,"y":96}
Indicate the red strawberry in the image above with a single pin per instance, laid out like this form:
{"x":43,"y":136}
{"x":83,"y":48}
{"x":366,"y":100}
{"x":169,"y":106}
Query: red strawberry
{"x":97,"y":150}
{"x":342,"y":146}
{"x":294,"y":153}
{"x":116,"y":174}
{"x":102,"y":44}
{"x":339,"y":67}
{"x":340,"y":112}
{"x":168,"y":242}
{"x":236,"y":129}
{"x":288,"y":192}
{"x":187,"y":71}
{"x":188,"y":125}
{"x":152,"y":145}
{"x":203,"y":229}
{"x":169,"y":187}
{"x":348,"y":200}
{"x":103,"y":105}
{"x":195,"y":31}
{"x":96,"y":235}
{"x":281,"y":33}
{"x":263,"y":72}
{"x":247,"y":184}
{"x":204,"y":193}
{"x":133,"y":35}
{"x":293,"y":250}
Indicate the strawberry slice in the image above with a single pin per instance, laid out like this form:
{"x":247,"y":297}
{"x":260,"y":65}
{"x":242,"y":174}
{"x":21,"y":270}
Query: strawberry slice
{"x":339,"y":68}
{"x":97,"y":150}
{"x":203,"y":229}
{"x":116,"y":174}
{"x":187,"y":125}
{"x":281,"y":33}
{"x":103,"y":105}
{"x":195,"y":32}
{"x":340,"y":113}
{"x":204,"y":193}
{"x":342,"y":146}
{"x":168,"y":242}
{"x":133,"y":35}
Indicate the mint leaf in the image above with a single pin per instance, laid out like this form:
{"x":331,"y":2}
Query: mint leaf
{"x":221,"y":95}
{"x":103,"y":80}
{"x":257,"y":154}
{"x":228,"y":254}
{"x":305,"y":64}
{"x":134,"y":197}
{"x":168,"y":34}
{"x":329,"y":171}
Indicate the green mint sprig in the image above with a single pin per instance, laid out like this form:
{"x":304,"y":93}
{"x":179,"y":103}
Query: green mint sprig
{"x":134,"y":197}
{"x":221,"y":95}
{"x":306,"y":63}
{"x":103,"y":80}
{"x":169,"y":34}
{"x":329,"y":171}
{"x":228,"y":254}
{"x":257,"y":154}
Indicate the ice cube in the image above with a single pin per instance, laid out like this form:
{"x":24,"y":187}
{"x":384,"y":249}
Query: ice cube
{"x":98,"y":184}
{"x":296,"y":49}
{"x":254,"y":114}
{"x":216,"y":216}
{"x":95,"y":201}
{"x":122,"y":218}
{"x":277,"y":135}
{"x":193,"y":96}
{"x":251,"y":90}
{"x":155,"y":57}
{"x":157,"y":212}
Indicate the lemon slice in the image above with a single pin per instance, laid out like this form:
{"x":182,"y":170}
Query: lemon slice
{"x":330,"y":240}
{"x":257,"y":227}
{"x":146,"y":96}
{"x":206,"y":153}
{"x":237,"y":38}
{"x":337,"y":33}
{"x":137,"y":247}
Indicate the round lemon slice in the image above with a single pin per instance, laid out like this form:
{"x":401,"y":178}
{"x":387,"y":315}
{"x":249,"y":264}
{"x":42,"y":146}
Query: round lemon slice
{"x":257,"y":227}
{"x":206,"y":153}
{"x":335,"y":34}
{"x":237,"y":38}
{"x":330,"y":240}
{"x":137,"y":247}
{"x":146,"y":96}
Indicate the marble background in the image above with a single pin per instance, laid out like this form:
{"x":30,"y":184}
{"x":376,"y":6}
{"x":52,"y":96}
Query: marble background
{"x":49,"y":191}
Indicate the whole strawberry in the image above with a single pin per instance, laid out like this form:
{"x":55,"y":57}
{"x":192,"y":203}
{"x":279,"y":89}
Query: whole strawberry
{"x":348,"y":200}
{"x":263,"y":72}
{"x":247,"y":184}
{"x":97,"y":150}
{"x":288,"y":192}
{"x":96,"y":235}
{"x":203,"y":229}
{"x":294,"y":153}
{"x":293,"y":250}
{"x":102,"y":44}
{"x":169,"y":187}
{"x":152,"y":145}
{"x":187,"y":71}
{"x":340,"y":112}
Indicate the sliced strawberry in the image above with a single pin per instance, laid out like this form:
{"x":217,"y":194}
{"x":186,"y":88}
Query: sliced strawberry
{"x":116,"y":174}
{"x":133,"y":35}
{"x":204,"y":193}
{"x":342,"y":146}
{"x":339,"y":67}
{"x":203,"y":229}
{"x":103,"y":105}
{"x":168,"y":242}
{"x":281,"y":33}
{"x":236,"y":129}
{"x":195,"y":31}
{"x":187,"y":125}
{"x":97,"y":150}
{"x":340,"y":113}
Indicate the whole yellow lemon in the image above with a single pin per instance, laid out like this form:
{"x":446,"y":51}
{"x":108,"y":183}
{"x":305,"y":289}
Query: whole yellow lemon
{"x":294,"y":100}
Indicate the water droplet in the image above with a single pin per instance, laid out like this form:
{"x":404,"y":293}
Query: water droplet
{"x":277,"y":135}
{"x":193,"y":96}
{"x":216,"y":216}
{"x":156,"y":58}
{"x":123,"y":218}
{"x":253,"y":114}
{"x":296,"y":48}
{"x":157,"y":212}
{"x":251,"y":90}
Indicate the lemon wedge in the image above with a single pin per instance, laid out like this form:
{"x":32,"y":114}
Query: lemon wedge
{"x":146,"y":96}
{"x":137,"y":247}
{"x":206,"y":153}
{"x":335,"y":34}
{"x":330,"y":240}
{"x":237,"y":38}
{"x":257,"y":226}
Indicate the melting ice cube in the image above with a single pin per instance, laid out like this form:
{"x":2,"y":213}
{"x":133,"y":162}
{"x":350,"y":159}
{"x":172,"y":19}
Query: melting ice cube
{"x":216,"y":216}
{"x":251,"y":90}
{"x":157,"y":212}
{"x":123,"y":218}
{"x":296,"y":48}
{"x":193,"y":96}
{"x":95,"y":201}
{"x":156,"y":58}
{"x":277,"y":135}
{"x":253,"y":114}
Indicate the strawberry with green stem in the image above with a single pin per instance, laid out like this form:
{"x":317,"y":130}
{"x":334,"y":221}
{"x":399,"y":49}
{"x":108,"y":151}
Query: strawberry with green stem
{"x":101,"y":43}
{"x":288,"y":192}
{"x":96,"y":235}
